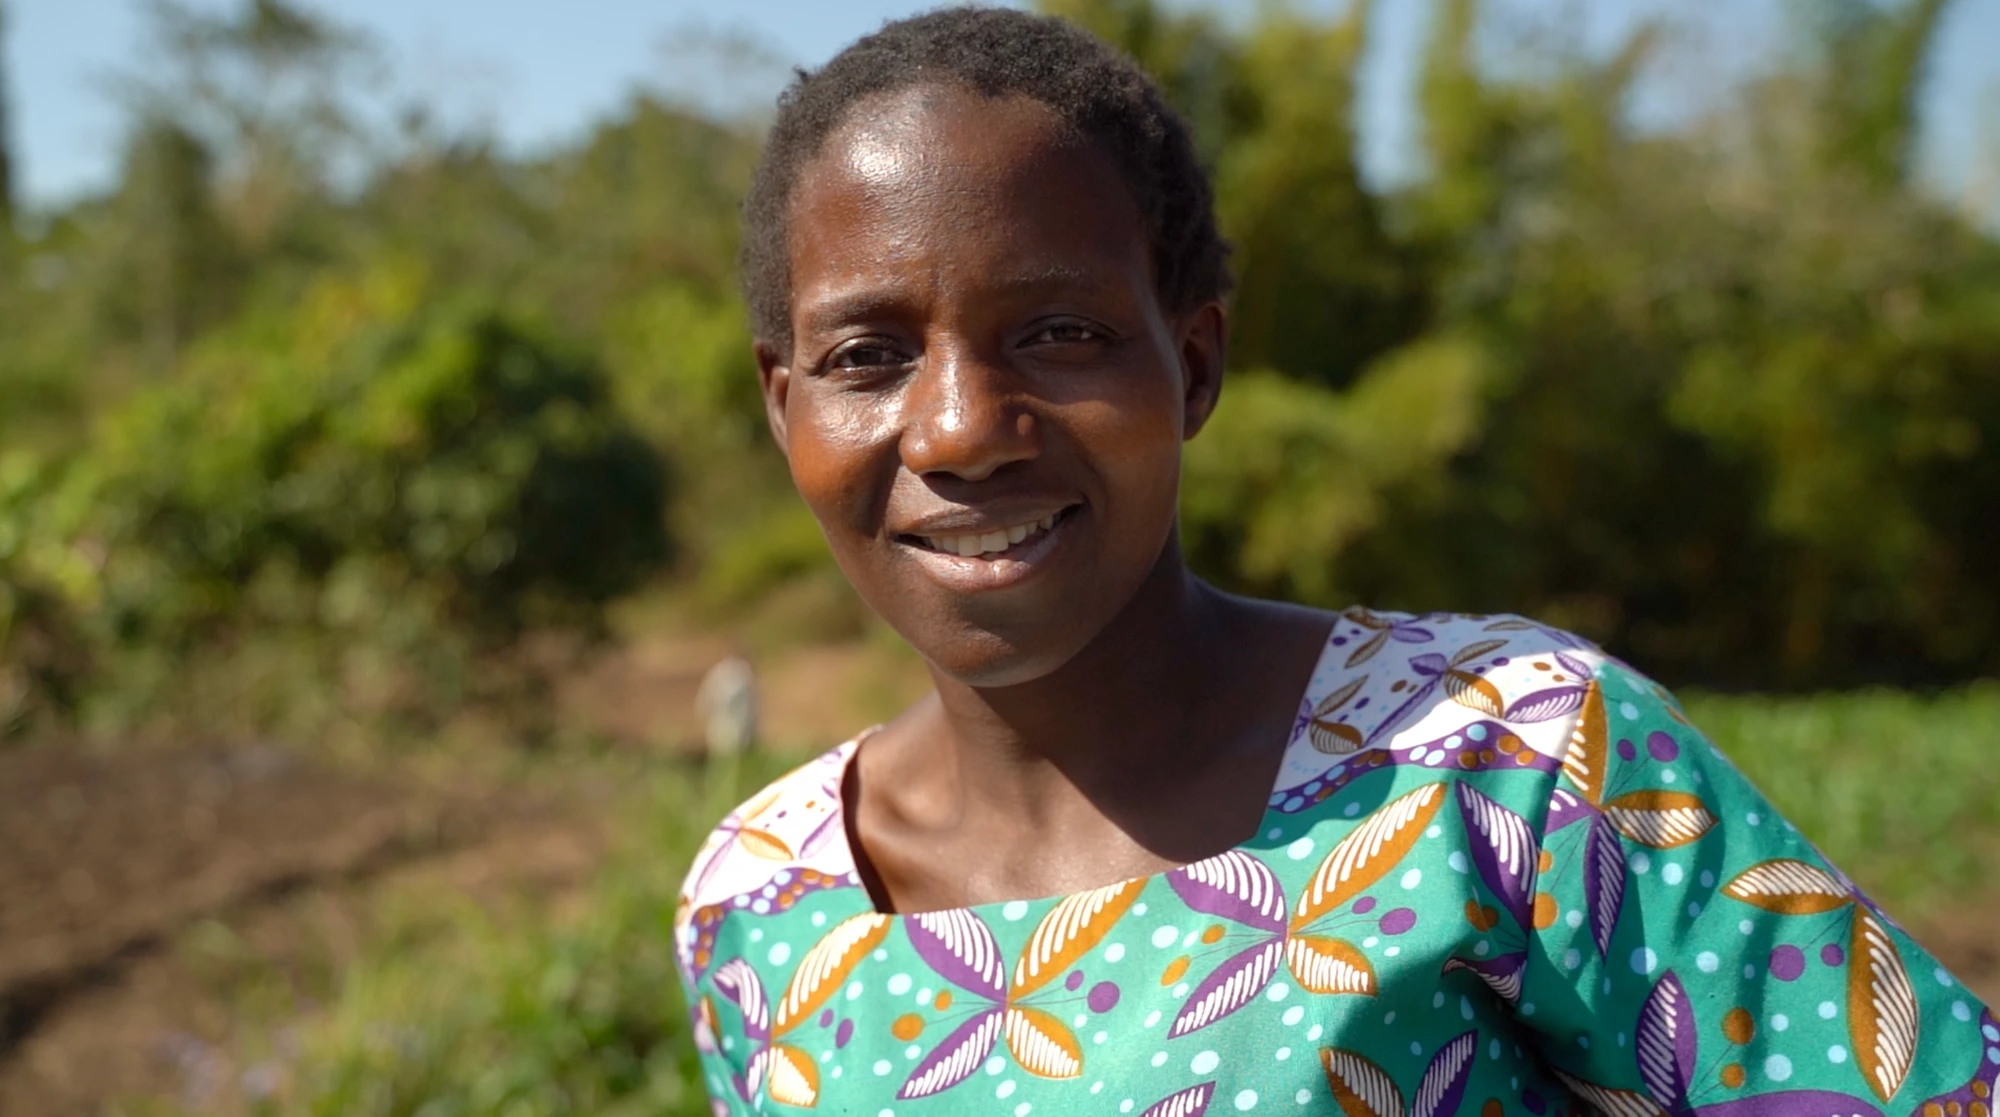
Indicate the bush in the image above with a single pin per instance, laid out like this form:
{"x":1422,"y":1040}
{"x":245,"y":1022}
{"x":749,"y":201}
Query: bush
{"x":418,"y":483}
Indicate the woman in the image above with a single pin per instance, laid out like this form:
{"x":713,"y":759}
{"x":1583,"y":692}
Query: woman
{"x":1151,"y":848}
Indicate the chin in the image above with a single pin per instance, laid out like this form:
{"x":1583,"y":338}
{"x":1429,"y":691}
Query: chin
{"x":994,"y":657}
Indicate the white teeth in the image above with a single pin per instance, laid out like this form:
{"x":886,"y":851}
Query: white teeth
{"x":992,"y":542}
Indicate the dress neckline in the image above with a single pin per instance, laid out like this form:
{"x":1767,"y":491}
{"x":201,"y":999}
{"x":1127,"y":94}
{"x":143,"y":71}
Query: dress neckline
{"x":842,"y":845}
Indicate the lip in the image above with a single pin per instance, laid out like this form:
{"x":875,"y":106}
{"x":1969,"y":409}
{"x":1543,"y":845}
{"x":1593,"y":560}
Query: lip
{"x":998,"y":516}
{"x":984,"y":575}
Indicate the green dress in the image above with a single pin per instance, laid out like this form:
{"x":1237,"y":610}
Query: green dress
{"x":1499,"y":873}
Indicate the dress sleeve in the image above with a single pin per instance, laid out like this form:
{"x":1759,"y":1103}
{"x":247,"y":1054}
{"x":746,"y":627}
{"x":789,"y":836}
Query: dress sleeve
{"x":1694,"y":954}
{"x":718,"y":1038}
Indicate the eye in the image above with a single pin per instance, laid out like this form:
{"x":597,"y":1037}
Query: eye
{"x":1067,"y":333}
{"x":865,"y":354}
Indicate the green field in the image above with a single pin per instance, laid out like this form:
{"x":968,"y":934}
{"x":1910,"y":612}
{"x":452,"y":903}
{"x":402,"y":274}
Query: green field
{"x":581,"y":1015}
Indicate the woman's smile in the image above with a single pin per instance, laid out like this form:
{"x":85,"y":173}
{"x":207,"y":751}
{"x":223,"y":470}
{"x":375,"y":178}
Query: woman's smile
{"x":971,"y":554}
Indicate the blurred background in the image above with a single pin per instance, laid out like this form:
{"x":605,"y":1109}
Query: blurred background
{"x":381,"y":471}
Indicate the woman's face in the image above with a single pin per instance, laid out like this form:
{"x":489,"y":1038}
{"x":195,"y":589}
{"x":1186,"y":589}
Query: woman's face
{"x":984,"y":401}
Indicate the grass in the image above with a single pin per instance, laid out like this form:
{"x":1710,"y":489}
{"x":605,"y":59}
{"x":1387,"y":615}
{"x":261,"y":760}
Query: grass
{"x":580,"y":1014}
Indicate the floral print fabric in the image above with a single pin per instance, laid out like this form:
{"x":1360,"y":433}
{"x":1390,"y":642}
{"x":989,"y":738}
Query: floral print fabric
{"x":1499,"y":873}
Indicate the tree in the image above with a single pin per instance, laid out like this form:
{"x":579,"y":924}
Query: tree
{"x":1872,"y":61}
{"x":169,"y":269}
{"x":270,"y":90}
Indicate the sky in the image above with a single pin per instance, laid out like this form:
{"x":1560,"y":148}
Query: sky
{"x":536,"y":72}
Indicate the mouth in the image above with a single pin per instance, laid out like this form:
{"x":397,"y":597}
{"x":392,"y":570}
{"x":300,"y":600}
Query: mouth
{"x":992,"y":545}
{"x":985,"y":561}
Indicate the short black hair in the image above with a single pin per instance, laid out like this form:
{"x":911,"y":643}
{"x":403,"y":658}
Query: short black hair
{"x":1096,"y":90}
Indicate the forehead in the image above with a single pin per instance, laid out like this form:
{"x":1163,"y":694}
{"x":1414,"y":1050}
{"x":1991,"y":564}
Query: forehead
{"x":946,"y":178}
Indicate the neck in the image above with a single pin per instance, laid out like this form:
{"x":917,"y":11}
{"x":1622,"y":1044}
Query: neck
{"x":1124,"y":708}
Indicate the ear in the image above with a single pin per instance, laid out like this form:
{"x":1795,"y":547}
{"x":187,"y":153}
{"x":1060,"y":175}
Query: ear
{"x":774,"y":375}
{"x":1204,"y":344}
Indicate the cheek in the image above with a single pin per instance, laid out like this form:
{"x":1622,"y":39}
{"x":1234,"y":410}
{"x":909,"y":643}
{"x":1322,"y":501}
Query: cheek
{"x":836,"y":455}
{"x":1136,"y":441}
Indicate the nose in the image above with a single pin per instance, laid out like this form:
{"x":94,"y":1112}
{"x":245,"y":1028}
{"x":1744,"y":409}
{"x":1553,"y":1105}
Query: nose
{"x":965,"y":417}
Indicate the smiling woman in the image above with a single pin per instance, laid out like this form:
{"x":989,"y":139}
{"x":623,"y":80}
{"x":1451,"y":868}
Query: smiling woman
{"x":1151,"y":847}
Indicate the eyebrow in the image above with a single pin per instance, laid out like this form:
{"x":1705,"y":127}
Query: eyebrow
{"x":866,"y":303}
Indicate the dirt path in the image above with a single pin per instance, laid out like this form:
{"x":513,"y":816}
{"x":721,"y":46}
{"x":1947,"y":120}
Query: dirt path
{"x":143,"y":896}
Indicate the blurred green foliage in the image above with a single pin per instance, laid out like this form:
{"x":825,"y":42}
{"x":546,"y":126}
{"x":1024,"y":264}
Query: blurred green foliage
{"x":373,"y":470}
{"x":1723,"y":394}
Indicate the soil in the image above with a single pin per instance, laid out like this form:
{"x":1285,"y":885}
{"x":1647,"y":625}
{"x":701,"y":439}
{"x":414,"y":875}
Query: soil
{"x":143,"y":893}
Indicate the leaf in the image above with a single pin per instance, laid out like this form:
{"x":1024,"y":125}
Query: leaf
{"x":1626,"y":1103}
{"x":1334,"y":738}
{"x":741,"y":985}
{"x":1368,"y":851}
{"x":1443,"y":1084}
{"x":1331,"y":736}
{"x":1585,"y":760}
{"x":1574,"y":665}
{"x":1505,"y":853}
{"x":1603,"y":881}
{"x":1474,"y":650}
{"x":1544,"y":705}
{"x":1191,"y":1102}
{"x":1565,"y":810}
{"x":1360,"y":1088}
{"x":1069,"y":931}
{"x":1367,"y":651}
{"x":791,"y":1076}
{"x":1881,"y":1006}
{"x":960,"y":948}
{"x":1042,"y":1044}
{"x":764,"y":844}
{"x":1340,"y":696}
{"x":1233,"y":886}
{"x":954,"y":1059}
{"x":822,"y":835}
{"x":826,"y":965}
{"x":1665,"y":1042}
{"x":1789,"y":887}
{"x":1366,"y":617}
{"x":1233,"y":984}
{"x":1502,"y":974}
{"x":1661,"y":819}
{"x":1322,"y":965}
{"x":1471,"y":691}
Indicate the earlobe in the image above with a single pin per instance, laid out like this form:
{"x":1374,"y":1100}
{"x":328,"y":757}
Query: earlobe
{"x":775,"y":377}
{"x":1203,"y":347}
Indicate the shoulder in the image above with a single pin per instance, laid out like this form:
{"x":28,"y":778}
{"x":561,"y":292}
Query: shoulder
{"x":784,"y":841}
{"x":1463,"y":691}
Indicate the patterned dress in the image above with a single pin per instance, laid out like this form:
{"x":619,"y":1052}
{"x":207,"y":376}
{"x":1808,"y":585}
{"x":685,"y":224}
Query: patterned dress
{"x":1499,"y":873}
